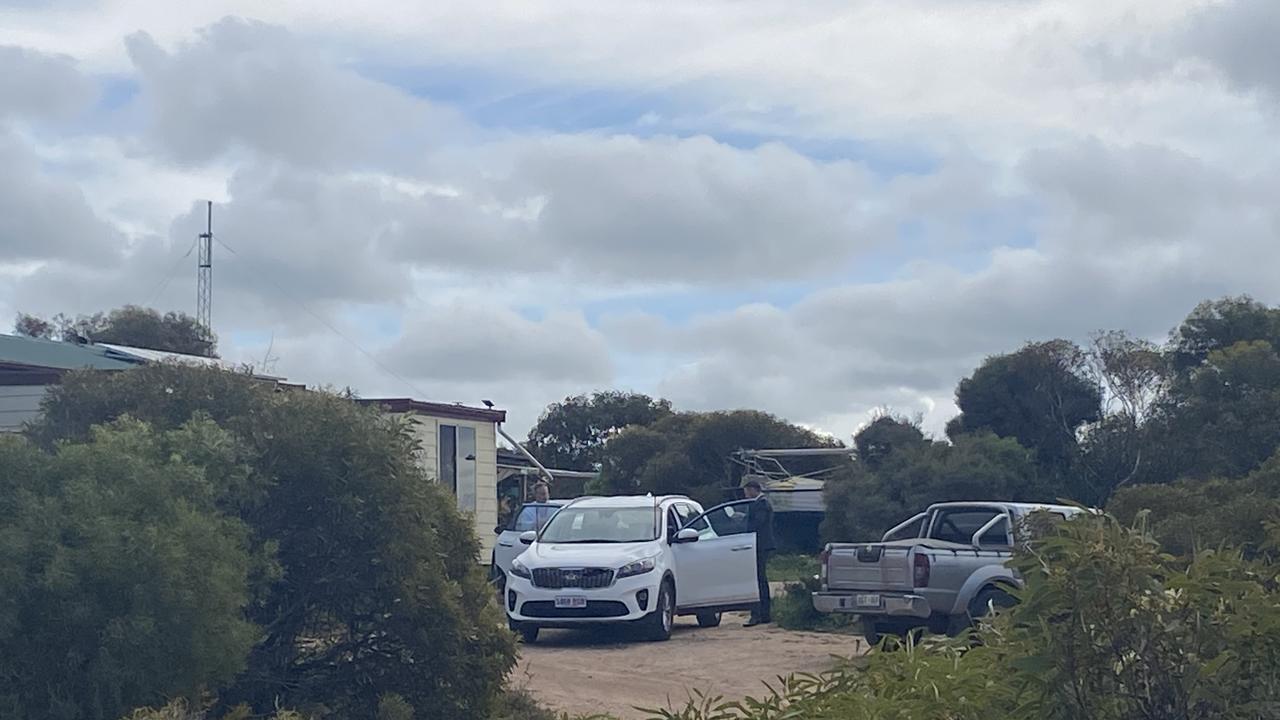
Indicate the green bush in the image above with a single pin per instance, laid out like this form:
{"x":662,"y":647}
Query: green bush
{"x":1109,"y":628}
{"x":377,"y":588}
{"x":792,"y":568}
{"x":120,"y":580}
{"x":794,"y":610}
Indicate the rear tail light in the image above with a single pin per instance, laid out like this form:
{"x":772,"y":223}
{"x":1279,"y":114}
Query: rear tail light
{"x":920,"y":570}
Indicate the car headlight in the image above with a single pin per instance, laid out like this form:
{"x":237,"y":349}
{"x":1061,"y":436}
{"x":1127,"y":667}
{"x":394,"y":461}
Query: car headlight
{"x":519,"y":570}
{"x":638,"y":567}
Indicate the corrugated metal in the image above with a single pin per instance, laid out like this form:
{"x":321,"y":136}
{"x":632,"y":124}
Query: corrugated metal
{"x":19,"y":404}
{"x":32,"y":352}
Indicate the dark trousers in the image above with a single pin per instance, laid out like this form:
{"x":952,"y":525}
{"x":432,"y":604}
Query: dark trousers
{"x":764,"y":608}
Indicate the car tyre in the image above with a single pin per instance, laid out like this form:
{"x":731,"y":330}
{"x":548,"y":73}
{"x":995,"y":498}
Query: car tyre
{"x":658,"y":624}
{"x":708,"y":619}
{"x":871,"y":631}
{"x":528,"y":633}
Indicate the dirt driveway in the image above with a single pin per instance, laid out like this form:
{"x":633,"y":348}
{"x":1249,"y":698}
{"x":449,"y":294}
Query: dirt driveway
{"x":609,"y":671}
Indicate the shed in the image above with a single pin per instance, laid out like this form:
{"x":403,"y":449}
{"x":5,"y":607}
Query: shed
{"x":457,"y":446}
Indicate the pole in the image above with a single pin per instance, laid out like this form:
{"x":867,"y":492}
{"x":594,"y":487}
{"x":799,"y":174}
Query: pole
{"x":204,"y":276}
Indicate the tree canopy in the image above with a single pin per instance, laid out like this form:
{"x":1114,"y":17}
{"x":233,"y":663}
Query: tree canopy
{"x":571,"y":434}
{"x":130,"y":325}
{"x":377,"y":589}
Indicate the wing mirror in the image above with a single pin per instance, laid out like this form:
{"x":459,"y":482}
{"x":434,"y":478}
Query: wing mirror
{"x":687,"y":535}
{"x":527,"y":537}
{"x":497,"y":530}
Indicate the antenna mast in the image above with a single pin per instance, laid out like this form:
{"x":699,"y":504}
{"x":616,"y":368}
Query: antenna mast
{"x":204,"y":276}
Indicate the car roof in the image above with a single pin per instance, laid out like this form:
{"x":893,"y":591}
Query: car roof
{"x":616,"y":501}
{"x":549,"y":503}
{"x":1021,"y":506}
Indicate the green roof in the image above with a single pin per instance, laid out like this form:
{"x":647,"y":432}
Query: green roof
{"x":31,"y":352}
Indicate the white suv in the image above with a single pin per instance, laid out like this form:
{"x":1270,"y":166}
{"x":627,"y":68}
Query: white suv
{"x":637,"y":559}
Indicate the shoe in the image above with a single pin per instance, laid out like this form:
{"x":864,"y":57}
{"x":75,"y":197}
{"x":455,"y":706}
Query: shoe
{"x":752,"y":622}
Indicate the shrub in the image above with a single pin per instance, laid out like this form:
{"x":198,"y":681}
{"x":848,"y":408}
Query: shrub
{"x":378,"y":588}
{"x":120,"y":581}
{"x":1110,"y":628}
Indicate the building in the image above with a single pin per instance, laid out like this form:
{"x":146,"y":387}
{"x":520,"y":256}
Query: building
{"x":458,"y":448}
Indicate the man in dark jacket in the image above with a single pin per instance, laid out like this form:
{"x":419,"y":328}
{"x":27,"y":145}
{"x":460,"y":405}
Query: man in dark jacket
{"x":760,"y":521}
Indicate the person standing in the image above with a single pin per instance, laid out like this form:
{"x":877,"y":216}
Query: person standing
{"x":541,"y":492}
{"x":760,"y":521}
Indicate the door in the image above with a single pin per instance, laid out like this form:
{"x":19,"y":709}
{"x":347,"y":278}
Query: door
{"x":720,"y":567}
{"x":509,"y":547}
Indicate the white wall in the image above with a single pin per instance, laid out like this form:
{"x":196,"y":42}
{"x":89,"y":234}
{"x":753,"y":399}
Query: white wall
{"x":18,"y":404}
{"x":427,"y":433}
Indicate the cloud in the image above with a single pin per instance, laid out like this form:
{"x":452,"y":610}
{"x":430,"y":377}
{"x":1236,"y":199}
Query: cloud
{"x":254,"y":87}
{"x":1239,"y":38}
{"x":46,"y":217}
{"x":40,"y":85}
{"x":476,"y":342}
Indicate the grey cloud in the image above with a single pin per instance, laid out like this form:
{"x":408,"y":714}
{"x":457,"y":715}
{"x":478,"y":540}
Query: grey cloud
{"x":37,"y":84}
{"x":471,"y":341}
{"x":246,"y":85}
{"x":1239,"y":38}
{"x":46,"y":217}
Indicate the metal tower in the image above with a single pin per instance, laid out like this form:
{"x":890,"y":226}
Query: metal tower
{"x":204,"y":276}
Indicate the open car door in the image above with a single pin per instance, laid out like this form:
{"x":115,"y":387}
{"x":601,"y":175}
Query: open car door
{"x":719,"y":568}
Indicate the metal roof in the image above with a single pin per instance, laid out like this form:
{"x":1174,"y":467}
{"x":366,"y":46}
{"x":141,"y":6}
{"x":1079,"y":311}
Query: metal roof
{"x":456,"y":411}
{"x":36,"y":353}
{"x":159,"y":356}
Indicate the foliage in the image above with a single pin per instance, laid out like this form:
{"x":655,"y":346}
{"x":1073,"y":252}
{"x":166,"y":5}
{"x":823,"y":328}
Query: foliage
{"x":379,"y":590}
{"x":794,"y":610}
{"x":885,"y":436}
{"x":571,"y":434}
{"x":689,"y":452}
{"x":1190,"y":515}
{"x":1218,"y":324}
{"x":864,"y":503}
{"x":1040,"y":395}
{"x":130,"y":325}
{"x":120,"y":579}
{"x":1109,"y":628}
{"x":789,"y":568}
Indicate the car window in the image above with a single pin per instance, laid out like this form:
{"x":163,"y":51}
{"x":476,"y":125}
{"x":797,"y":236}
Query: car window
{"x":544,"y":514}
{"x":576,"y":524}
{"x":722,"y":521}
{"x":673,"y":522}
{"x":958,"y":526}
{"x":686,"y":512}
{"x":526,"y":520}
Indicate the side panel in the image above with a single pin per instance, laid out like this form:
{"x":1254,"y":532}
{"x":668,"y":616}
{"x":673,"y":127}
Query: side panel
{"x":716,"y":571}
{"x":994,"y":571}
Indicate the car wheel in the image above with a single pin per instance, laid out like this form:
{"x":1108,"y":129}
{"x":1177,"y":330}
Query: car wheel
{"x":871,"y":631}
{"x":987,"y":599}
{"x":658,"y":624}
{"x":527,"y":633}
{"x":708,"y":619}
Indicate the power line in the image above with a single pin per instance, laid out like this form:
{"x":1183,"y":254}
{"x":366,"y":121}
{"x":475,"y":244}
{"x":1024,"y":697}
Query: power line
{"x":326,"y":323}
{"x":168,"y":277}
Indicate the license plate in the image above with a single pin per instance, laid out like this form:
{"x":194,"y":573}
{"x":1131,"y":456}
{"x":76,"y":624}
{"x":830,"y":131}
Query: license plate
{"x":571,"y":601}
{"x":866,"y":601}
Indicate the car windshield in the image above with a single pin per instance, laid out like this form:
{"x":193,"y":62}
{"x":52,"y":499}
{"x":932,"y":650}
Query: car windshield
{"x":601,"y":525}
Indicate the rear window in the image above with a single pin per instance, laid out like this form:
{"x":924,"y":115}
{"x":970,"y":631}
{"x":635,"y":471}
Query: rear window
{"x":958,"y":526}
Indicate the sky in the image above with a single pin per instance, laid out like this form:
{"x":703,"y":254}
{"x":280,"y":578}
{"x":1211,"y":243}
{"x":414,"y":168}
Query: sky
{"x":822,"y":210}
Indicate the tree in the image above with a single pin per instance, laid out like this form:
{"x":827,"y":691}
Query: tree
{"x":885,"y":436}
{"x":130,"y":325}
{"x":1219,"y":324}
{"x":690,"y":452}
{"x":121,"y":580}
{"x":379,"y":589}
{"x":1040,"y":395}
{"x":863,"y":502}
{"x":571,"y":434}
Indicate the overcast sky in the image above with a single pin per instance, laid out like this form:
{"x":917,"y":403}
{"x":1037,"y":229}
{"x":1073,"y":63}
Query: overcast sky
{"x":814,"y":209}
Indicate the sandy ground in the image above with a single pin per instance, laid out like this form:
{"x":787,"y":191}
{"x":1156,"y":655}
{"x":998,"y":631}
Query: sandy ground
{"x":611,"y":672}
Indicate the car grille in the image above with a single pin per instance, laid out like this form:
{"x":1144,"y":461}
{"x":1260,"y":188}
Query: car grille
{"x":557,"y":578}
{"x":594,"y":609}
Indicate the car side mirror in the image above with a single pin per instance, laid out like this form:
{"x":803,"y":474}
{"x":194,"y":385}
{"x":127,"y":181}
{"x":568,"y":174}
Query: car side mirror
{"x":527,"y":537}
{"x":687,"y":535}
{"x":497,"y":530}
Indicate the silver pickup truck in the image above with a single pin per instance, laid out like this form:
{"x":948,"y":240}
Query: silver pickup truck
{"x":940,"y":569}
